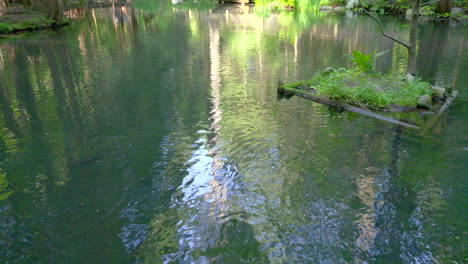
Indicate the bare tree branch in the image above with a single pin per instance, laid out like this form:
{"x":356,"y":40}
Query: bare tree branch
{"x":408,"y":46}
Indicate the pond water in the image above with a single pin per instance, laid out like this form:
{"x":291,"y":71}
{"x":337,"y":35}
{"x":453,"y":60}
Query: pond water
{"x":149,"y":134}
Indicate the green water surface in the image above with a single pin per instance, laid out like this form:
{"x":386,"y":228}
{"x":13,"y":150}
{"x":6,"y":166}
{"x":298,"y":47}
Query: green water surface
{"x":149,"y":134}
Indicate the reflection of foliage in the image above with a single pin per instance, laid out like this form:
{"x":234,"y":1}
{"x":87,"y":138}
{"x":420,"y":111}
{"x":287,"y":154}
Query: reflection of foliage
{"x":159,"y":11}
{"x":4,"y":192}
{"x":282,"y":149}
{"x":160,"y":239}
{"x":199,"y":5}
{"x":8,"y":146}
{"x":302,"y":5}
{"x":159,"y":7}
{"x":7,"y":140}
{"x":153,"y":6}
{"x":237,"y":244}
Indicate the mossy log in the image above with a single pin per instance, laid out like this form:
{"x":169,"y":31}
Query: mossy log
{"x":302,"y":90}
{"x":289,"y":91}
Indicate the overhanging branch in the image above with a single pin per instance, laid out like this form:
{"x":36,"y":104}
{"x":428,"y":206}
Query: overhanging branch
{"x":408,"y":46}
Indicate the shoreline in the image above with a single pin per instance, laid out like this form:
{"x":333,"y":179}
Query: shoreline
{"x":16,"y":20}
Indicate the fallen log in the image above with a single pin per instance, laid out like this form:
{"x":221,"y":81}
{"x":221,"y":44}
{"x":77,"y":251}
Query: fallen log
{"x":442,"y":109}
{"x":287,"y":90}
{"x":448,"y":102}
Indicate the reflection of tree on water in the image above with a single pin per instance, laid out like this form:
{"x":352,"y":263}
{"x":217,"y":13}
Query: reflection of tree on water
{"x":369,"y":191}
{"x":366,"y":224}
{"x":209,"y":230}
{"x":35,"y":125}
{"x":118,"y":132}
{"x":56,"y":98}
{"x":390,"y":231}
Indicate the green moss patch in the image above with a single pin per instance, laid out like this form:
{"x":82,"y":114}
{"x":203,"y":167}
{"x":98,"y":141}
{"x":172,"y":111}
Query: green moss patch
{"x":15,"y":26}
{"x":371,"y":90}
{"x":24,"y":20}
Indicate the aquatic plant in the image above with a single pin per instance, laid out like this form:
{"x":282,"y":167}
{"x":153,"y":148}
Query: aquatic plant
{"x":365,"y":63}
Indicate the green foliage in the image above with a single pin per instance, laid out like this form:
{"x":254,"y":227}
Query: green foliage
{"x":75,"y":3}
{"x":24,"y":25}
{"x":5,"y":192}
{"x":153,"y":6}
{"x":6,"y":27}
{"x":460,"y":3}
{"x":271,"y":3}
{"x":352,"y":86}
{"x":393,"y":6}
{"x":426,"y":10}
{"x":399,"y":6}
{"x":307,"y":5}
{"x":365,"y":63}
{"x":287,"y":2}
{"x":333,"y":2}
{"x":302,"y":5}
{"x":200,"y":4}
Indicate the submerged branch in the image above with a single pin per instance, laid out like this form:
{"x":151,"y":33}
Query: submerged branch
{"x":448,"y":102}
{"x":442,"y":109}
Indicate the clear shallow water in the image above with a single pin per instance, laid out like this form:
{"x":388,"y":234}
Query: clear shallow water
{"x":153,"y":135}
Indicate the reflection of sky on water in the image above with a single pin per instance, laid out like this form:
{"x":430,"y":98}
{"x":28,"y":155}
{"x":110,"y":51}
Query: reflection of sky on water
{"x":202,"y":180}
{"x":197,"y":181}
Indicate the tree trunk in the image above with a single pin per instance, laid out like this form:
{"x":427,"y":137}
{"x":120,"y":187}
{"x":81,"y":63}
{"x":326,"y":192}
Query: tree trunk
{"x":444,"y":6}
{"x":413,"y":39}
{"x":3,"y":4}
{"x":54,"y":11}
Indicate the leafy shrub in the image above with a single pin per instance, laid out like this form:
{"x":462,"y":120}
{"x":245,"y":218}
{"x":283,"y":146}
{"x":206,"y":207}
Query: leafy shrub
{"x":30,"y":24}
{"x":460,"y":3}
{"x":6,"y":27}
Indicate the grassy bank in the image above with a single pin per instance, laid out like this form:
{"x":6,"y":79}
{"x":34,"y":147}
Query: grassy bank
{"x":13,"y":26}
{"x":20,"y":19}
{"x":428,"y":8}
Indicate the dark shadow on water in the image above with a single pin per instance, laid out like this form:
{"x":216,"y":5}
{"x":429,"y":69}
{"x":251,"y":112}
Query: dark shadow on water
{"x":236,"y":244}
